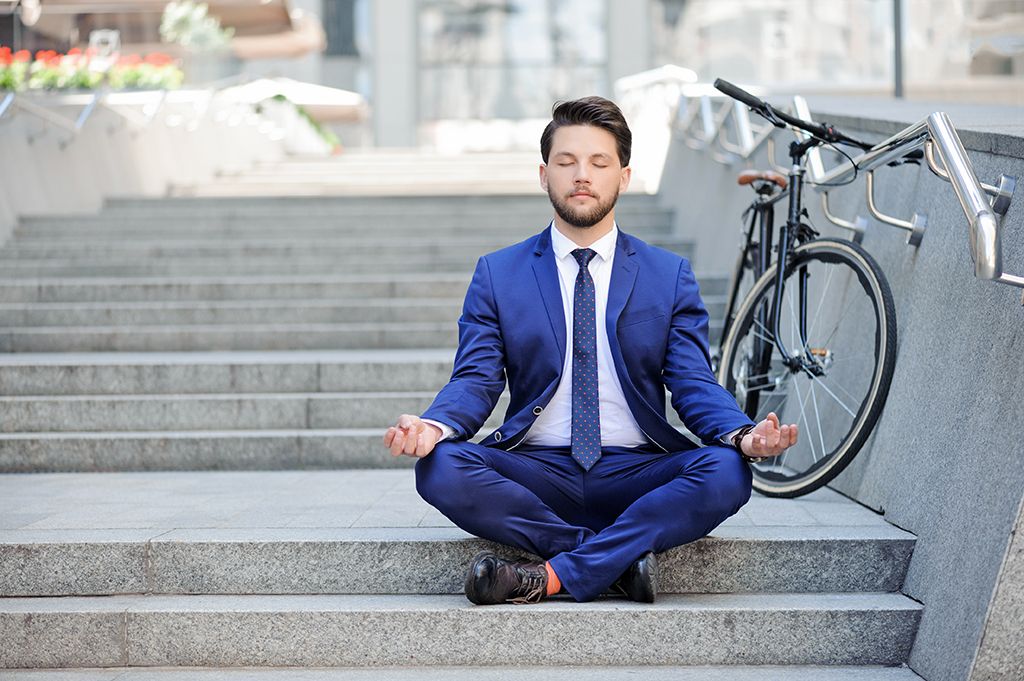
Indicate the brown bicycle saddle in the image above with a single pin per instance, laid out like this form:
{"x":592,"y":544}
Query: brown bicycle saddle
{"x":752,"y":176}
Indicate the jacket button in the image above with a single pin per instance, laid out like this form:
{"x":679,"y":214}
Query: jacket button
{"x":537,"y":410}
{"x":497,"y":436}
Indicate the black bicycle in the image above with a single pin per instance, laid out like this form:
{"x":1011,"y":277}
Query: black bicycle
{"x":814,"y":338}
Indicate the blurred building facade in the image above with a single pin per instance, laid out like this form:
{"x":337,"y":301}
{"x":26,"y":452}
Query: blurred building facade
{"x":466,"y":74}
{"x":484,"y":72}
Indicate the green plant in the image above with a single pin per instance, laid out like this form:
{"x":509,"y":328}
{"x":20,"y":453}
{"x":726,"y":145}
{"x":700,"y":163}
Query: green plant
{"x":186,"y":23}
{"x":326,"y":134}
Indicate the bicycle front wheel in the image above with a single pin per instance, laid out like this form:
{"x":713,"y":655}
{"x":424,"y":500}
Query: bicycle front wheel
{"x":837,"y":397}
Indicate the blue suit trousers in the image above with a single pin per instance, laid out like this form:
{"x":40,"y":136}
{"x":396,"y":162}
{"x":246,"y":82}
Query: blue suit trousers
{"x":591,"y":525}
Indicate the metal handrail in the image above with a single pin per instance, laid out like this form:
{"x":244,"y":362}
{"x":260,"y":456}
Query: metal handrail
{"x":12,"y":102}
{"x":983,"y":218}
{"x":936,"y":131}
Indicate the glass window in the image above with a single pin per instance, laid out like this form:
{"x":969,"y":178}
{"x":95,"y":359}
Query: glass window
{"x":508,"y":60}
{"x":969,"y":50}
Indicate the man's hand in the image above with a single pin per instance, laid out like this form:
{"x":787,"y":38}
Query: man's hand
{"x":411,"y":437}
{"x":768,"y":438}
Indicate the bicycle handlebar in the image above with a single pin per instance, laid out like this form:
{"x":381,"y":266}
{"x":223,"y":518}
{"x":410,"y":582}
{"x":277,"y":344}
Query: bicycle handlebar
{"x":777,"y":118}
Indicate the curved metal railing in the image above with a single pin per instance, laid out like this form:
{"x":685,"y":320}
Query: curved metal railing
{"x":124,"y":104}
{"x":705,"y":120}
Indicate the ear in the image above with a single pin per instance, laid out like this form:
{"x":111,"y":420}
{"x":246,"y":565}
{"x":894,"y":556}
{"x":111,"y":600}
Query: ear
{"x":544,"y":176}
{"x":627,"y":174}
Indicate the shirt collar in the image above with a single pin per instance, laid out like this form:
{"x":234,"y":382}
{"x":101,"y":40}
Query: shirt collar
{"x":604,"y":247}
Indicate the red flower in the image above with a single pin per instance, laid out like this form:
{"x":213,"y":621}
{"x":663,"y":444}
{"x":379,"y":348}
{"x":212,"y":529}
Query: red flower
{"x":22,"y":55}
{"x":74,"y":52}
{"x":158,"y":59}
{"x":129,"y":60}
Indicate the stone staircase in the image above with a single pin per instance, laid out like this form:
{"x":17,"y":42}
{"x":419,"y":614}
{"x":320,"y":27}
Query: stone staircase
{"x":194,"y":392}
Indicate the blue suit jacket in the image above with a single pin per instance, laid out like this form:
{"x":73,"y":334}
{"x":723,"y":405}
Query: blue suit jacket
{"x":513,"y":326}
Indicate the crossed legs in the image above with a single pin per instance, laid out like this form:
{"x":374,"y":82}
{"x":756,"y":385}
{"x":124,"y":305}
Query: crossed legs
{"x":590,"y":525}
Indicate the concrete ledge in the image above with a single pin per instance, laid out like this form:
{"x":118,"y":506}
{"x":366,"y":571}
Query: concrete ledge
{"x":420,"y":561}
{"x":475,"y":673}
{"x":108,"y":289}
{"x":223,"y":372}
{"x":253,"y":450}
{"x":352,"y":335}
{"x":411,"y":630}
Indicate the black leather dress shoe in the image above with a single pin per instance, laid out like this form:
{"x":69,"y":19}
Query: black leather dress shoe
{"x":640,"y":581}
{"x":492,"y":580}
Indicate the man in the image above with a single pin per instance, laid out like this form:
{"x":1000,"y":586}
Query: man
{"x":589,"y":325}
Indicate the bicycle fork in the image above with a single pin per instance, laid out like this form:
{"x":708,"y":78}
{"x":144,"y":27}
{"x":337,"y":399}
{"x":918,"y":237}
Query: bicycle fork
{"x":805,"y":360}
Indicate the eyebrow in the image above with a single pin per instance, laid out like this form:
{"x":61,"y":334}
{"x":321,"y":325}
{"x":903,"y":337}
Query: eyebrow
{"x":599,"y":154}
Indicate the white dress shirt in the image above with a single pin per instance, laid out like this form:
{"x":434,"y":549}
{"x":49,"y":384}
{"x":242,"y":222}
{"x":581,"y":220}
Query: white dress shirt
{"x":553,"y":428}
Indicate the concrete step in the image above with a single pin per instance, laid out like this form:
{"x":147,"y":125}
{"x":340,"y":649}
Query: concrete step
{"x":123,"y":262}
{"x":494,"y":218}
{"x":385,"y":310}
{"x":212,"y":337}
{"x":240,"y":411}
{"x":47,"y":374}
{"x":334,"y":286}
{"x":389,"y":310}
{"x":196,"y":450}
{"x":475,"y":673}
{"x":416,"y":205}
{"x":205,"y":289}
{"x":340,"y":186}
{"x":240,"y":266}
{"x":231,"y":411}
{"x":391,"y":630}
{"x":423,"y":560}
{"x":117,"y":519}
{"x":137,"y":338}
{"x":295,"y":245}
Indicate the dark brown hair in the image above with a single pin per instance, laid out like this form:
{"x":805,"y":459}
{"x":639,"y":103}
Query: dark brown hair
{"x":596,"y":111}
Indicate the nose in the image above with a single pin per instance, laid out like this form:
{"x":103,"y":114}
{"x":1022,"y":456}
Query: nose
{"x":581,"y":176}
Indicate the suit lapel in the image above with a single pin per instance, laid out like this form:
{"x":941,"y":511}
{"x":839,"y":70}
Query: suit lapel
{"x":546,"y":271}
{"x":624,"y":269}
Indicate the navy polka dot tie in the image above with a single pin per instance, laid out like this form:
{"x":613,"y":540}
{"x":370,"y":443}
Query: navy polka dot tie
{"x":586,"y":412}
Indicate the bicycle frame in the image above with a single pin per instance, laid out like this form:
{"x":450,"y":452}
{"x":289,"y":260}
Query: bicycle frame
{"x":787,"y":234}
{"x":790,"y":234}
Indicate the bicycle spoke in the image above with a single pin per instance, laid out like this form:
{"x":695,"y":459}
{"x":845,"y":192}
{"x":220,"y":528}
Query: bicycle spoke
{"x":803,"y":417}
{"x":839,"y":386}
{"x":817,"y":415}
{"x":817,"y":313}
{"x":834,"y":396}
{"x":769,"y":335}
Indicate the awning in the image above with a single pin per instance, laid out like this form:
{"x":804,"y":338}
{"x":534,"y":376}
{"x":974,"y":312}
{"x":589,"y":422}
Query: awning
{"x":325,"y":104}
{"x":262,"y":28}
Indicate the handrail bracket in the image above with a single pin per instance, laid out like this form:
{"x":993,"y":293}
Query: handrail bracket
{"x":915,"y":226}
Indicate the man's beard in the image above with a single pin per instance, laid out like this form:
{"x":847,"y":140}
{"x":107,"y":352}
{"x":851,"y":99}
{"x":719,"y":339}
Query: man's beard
{"x":580,"y":217}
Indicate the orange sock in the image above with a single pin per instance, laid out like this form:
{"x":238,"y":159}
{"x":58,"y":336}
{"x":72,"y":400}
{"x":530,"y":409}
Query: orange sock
{"x":554,"y":584}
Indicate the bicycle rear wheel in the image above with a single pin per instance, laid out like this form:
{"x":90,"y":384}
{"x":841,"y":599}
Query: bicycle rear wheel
{"x":851,"y":334}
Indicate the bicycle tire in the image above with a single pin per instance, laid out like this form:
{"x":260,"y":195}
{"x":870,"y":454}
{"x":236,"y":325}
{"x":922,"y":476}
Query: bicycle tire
{"x":868,"y":313}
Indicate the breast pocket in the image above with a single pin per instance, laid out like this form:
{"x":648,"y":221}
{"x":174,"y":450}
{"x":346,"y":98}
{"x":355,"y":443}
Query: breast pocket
{"x":642,"y":316}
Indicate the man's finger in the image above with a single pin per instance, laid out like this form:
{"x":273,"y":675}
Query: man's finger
{"x":411,"y":438}
{"x":398,"y":443}
{"x":389,"y":435}
{"x":407,"y":421}
{"x":425,"y":444}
